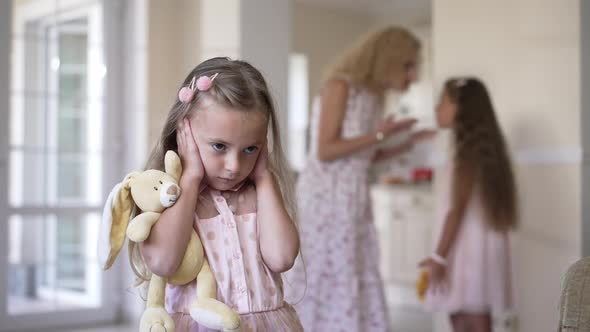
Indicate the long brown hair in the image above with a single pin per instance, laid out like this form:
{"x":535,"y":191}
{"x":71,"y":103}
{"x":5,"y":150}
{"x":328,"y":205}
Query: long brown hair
{"x":482,"y":161}
{"x":376,"y":56}
{"x":239,"y":86}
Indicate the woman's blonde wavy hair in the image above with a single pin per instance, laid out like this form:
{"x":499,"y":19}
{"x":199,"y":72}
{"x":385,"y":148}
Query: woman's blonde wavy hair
{"x":377,"y":56}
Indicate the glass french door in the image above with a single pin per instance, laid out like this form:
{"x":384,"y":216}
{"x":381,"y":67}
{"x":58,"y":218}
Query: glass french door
{"x":53,"y":173}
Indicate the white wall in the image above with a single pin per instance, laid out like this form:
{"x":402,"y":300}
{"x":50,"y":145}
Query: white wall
{"x":265,"y":42}
{"x":220,"y":28}
{"x":528,"y":53}
{"x":322,"y":34}
{"x":135,"y":135}
{"x":413,"y":13}
{"x":257,"y":31}
{"x":585,"y":121}
{"x":173,"y":50}
{"x":162,"y":45}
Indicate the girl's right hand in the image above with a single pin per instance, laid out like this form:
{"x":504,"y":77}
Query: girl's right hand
{"x":189,"y":152}
{"x":390,"y":126}
{"x":437,"y":274}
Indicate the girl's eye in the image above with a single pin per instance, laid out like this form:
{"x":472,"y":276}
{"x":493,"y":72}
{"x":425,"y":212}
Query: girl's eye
{"x":250,"y":149}
{"x":218,"y":147}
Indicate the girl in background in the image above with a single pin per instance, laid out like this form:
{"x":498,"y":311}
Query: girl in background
{"x":469,"y":271}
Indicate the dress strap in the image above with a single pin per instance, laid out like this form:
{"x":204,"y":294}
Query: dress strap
{"x":220,"y":204}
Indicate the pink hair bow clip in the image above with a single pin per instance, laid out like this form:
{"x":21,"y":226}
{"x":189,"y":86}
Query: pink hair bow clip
{"x":204,"y":83}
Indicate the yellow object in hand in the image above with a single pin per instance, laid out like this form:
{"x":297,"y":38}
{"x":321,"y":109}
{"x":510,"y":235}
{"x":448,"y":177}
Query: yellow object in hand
{"x":422,"y":285}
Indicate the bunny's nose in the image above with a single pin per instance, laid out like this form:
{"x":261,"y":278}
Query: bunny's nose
{"x":172,"y":190}
{"x":169,"y":194}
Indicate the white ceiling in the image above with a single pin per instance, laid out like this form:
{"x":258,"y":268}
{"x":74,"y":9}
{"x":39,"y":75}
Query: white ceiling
{"x":401,"y":11}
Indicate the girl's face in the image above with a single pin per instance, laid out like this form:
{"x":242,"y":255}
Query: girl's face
{"x":229,"y":142}
{"x":446,"y":111}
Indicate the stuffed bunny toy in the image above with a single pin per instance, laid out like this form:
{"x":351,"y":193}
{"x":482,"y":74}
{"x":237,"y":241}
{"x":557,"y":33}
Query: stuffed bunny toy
{"x":152,"y":191}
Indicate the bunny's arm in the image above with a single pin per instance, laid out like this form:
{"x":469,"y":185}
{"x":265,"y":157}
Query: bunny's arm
{"x":140,"y":227}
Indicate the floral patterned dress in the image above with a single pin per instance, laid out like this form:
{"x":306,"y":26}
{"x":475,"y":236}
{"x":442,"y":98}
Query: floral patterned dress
{"x":339,"y":272}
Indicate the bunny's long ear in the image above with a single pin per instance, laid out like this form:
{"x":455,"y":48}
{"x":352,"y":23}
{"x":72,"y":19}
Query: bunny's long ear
{"x":172,"y":164}
{"x":115,"y":217}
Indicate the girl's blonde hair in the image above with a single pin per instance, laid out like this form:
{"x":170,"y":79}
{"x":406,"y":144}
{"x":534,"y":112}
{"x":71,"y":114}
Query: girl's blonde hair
{"x":376,"y":57}
{"x":482,"y":161}
{"x":238,"y":86}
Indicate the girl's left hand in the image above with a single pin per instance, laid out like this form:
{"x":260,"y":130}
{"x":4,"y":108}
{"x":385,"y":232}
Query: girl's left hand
{"x":261,"y":168}
{"x":189,"y":151}
{"x":437,"y":274}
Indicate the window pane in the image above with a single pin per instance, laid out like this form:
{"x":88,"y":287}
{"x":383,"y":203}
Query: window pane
{"x":72,"y":42}
{"x":70,"y":263}
{"x":72,"y":83}
{"x":40,"y":178}
{"x":72,"y":92}
{"x":51,"y":266}
{"x":56,"y":147}
{"x":28,"y":178}
{"x":55,"y":172}
{"x":70,"y":179}
{"x":70,"y":135}
{"x":36,"y":119}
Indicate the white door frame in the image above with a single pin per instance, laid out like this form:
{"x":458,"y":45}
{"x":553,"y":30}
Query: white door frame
{"x":585,"y":122}
{"x":114,"y":54}
{"x":5,"y":44}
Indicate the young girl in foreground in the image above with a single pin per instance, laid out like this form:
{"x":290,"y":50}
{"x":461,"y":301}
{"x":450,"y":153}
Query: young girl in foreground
{"x":235,"y":193}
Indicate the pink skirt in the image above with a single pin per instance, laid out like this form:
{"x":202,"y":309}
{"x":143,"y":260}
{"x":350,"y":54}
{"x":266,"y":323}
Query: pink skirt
{"x":479,"y":274}
{"x":281,"y":319}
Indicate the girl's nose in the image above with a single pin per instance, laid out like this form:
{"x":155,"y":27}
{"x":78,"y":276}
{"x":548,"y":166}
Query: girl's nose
{"x":232,"y":164}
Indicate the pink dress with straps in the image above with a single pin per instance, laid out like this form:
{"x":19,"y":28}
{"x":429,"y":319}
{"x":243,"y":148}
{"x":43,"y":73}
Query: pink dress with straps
{"x":479,"y":277}
{"x":244,"y":282}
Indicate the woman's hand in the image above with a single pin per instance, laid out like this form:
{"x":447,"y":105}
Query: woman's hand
{"x":189,"y":152}
{"x":406,"y":146}
{"x":422,"y":135}
{"x":417,"y":137}
{"x":437,"y":274}
{"x":390,"y":126}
